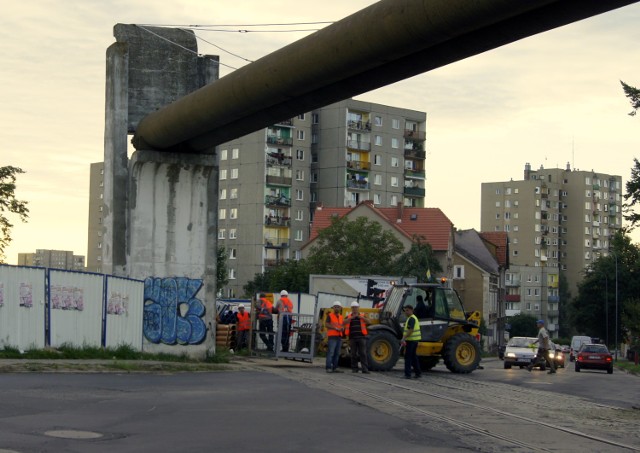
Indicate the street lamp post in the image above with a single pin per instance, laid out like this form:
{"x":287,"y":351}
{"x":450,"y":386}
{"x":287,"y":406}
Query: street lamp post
{"x":616,"y":345}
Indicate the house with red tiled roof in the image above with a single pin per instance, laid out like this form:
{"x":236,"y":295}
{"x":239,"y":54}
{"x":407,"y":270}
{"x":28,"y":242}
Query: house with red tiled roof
{"x":431,"y":225}
{"x":479,"y":267}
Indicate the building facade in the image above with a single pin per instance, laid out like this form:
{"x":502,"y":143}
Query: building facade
{"x":96,"y":206}
{"x":55,"y":259}
{"x":339,"y":155}
{"x":557,"y":220}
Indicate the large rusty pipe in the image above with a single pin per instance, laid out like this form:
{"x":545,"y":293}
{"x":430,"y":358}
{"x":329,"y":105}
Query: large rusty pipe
{"x":381,"y":44}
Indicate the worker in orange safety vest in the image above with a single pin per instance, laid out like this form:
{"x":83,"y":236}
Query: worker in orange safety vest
{"x":333,"y":324}
{"x":356,"y":330}
{"x":284,"y":307}
{"x":265,"y":321}
{"x":243,"y":325}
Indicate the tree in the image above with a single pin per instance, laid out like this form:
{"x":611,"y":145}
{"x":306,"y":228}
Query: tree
{"x":291,"y":275}
{"x":523,"y":325}
{"x":222,"y":276}
{"x":417,"y":261}
{"x":634,"y":97}
{"x":9,"y":203}
{"x":633,"y":194}
{"x":348,"y":247}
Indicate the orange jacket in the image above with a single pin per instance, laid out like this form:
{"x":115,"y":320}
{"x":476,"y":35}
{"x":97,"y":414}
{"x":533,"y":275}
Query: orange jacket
{"x":266,"y":309}
{"x":244,"y":322}
{"x":287,"y":305}
{"x":335,"y":323}
{"x":363,"y":325}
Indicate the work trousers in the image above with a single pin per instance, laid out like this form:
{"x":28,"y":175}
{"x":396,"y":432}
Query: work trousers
{"x":358,"y":348}
{"x":333,"y":352}
{"x":411,"y":359}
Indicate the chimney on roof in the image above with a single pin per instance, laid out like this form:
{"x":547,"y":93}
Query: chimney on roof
{"x":400,"y":210}
{"x":527,"y":171}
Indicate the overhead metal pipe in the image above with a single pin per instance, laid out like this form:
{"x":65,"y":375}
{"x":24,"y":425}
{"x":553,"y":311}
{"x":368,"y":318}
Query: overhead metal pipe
{"x":386,"y":42}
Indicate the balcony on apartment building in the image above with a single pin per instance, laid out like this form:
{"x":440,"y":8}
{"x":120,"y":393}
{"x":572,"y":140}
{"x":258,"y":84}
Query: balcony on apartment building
{"x":359,"y":125}
{"x":276,"y":242}
{"x":287,"y":122}
{"x":553,"y":299}
{"x":357,"y":184}
{"x":278,"y":160}
{"x":414,"y":173}
{"x":512,"y":297}
{"x":514,"y":312}
{"x":273,"y":180}
{"x":414,"y":135}
{"x":358,"y":165}
{"x":414,"y":153}
{"x":413,"y":191}
{"x":273,"y":139}
{"x":513,"y":282}
{"x":359,"y":145}
{"x":277,"y":200}
{"x":277,"y":221}
{"x":272,"y":262}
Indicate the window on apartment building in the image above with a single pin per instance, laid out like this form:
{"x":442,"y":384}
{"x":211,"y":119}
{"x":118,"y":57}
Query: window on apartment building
{"x":394,"y":162}
{"x":299,"y":194}
{"x":313,"y":196}
{"x":458,"y":271}
{"x":378,"y":140}
{"x":234,"y":173}
{"x":223,"y":214}
{"x":516,"y":228}
{"x":377,"y":159}
{"x":394,"y":143}
{"x":223,"y":194}
{"x":299,"y":154}
{"x":377,"y":199}
{"x":395,"y":123}
{"x":587,"y":181}
{"x":377,"y":120}
{"x":301,"y":116}
{"x":515,"y":253}
{"x":536,"y":253}
{"x":299,"y":214}
{"x":299,"y":175}
{"x":377,"y":180}
{"x":315,"y":118}
{"x":587,"y":255}
{"x":536,"y":227}
{"x":497,"y":204}
{"x":314,"y":140}
{"x":588,"y":194}
{"x":394,"y":181}
{"x":223,"y":174}
{"x":498,"y":215}
{"x":507,"y":215}
{"x":507,"y":203}
{"x":297,"y":255}
{"x":223,"y":154}
{"x":232,"y":233}
{"x":587,"y":230}
{"x":393,"y":201}
{"x":221,"y":233}
{"x":233,"y":253}
{"x":528,"y":292}
{"x":233,"y":193}
{"x":232,"y":273}
{"x":498,"y":191}
{"x":233,"y":213}
{"x":300,"y":134}
{"x":298,"y":236}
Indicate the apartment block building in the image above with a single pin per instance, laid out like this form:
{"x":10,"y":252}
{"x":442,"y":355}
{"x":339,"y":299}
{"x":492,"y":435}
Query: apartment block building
{"x":339,"y":155}
{"x":557,"y":220}
{"x":271,"y":180}
{"x":96,"y":206}
{"x":55,"y":259}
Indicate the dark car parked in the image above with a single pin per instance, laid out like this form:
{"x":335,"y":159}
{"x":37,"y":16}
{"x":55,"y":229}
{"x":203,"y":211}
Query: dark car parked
{"x":594,"y":356}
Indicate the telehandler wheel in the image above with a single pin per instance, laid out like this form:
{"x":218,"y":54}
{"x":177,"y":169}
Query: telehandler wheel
{"x":383,"y":350}
{"x":461,"y":353}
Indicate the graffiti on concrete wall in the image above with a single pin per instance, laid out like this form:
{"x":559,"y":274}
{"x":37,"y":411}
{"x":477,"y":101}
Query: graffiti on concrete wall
{"x":172,"y":312}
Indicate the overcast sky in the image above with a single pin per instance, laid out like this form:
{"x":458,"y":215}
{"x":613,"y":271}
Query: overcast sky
{"x":548,"y":100}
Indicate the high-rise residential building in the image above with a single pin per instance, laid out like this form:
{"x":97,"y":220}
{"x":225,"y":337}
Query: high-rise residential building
{"x":271,"y":180}
{"x":96,"y":205}
{"x":339,"y":155}
{"x":558,"y":220}
{"x":55,"y":259}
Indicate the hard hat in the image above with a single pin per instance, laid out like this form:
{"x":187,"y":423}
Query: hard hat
{"x":337,"y":304}
{"x":240,"y":306}
{"x":284,"y":292}
{"x":355,"y":304}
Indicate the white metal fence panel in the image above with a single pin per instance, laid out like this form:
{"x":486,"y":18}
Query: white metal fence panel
{"x":75,"y":308}
{"x":22,"y":307}
{"x":124,"y":312}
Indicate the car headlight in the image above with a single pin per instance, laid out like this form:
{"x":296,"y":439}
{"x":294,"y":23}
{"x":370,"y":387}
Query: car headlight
{"x":511,"y":355}
{"x":552,"y":354}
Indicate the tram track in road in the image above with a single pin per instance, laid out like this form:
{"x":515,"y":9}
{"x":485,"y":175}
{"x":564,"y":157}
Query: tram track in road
{"x":476,"y":428}
{"x":472,"y":411}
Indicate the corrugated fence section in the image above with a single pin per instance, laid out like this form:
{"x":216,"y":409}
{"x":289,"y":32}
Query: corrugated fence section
{"x":50,"y":307}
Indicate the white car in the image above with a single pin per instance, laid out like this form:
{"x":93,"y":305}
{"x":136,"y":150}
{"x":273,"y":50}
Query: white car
{"x":520,"y":351}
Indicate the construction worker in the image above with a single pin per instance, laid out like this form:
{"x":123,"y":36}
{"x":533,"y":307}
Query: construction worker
{"x":284,"y":307}
{"x":333,"y":324}
{"x":356,"y":330}
{"x":410,"y":338}
{"x":543,"y":349}
{"x":265,"y":321}
{"x":243,"y":325}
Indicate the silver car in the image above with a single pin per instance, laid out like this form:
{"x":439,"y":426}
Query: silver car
{"x":520,"y":351}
